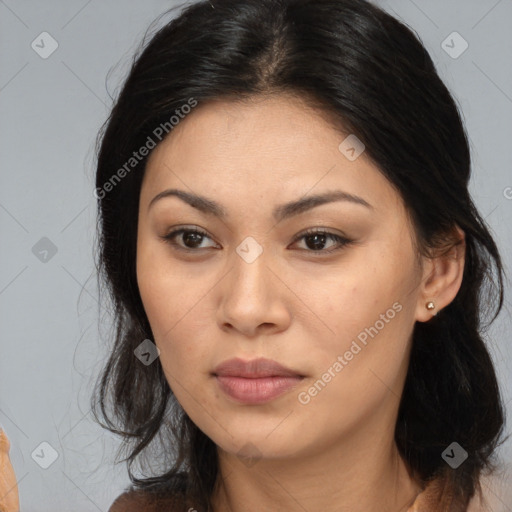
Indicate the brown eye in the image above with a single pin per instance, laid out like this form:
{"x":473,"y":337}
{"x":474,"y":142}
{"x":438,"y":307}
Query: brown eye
{"x":191,"y":238}
{"x":316,"y":240}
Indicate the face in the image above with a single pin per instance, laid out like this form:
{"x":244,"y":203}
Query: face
{"x":327,"y":288}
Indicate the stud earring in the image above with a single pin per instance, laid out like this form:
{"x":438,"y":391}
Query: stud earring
{"x":430,"y":305}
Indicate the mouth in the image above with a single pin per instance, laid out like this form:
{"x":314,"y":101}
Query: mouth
{"x":255,"y":382}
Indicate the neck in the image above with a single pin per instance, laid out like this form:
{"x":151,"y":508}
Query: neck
{"x":362,"y":474}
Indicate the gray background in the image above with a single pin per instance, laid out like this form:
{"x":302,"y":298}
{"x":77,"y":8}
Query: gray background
{"x":50,"y":112}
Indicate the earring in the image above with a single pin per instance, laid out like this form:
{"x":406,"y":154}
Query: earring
{"x":430,"y":306}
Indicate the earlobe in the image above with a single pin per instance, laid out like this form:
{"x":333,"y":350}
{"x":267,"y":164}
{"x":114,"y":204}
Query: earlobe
{"x":442,"y":278}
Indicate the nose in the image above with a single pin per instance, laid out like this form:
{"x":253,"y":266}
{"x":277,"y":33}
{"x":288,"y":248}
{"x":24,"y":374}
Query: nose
{"x":253,"y":299}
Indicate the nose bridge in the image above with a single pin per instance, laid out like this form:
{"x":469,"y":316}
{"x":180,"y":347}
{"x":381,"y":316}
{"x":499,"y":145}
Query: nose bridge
{"x":250,"y":295}
{"x":250,"y":274}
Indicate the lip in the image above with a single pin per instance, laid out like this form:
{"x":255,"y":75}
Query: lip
{"x":256,"y":368}
{"x":255,"y":382}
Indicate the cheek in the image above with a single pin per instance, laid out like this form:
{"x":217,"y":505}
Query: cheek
{"x":370,"y":313}
{"x":175,"y":311}
{"x":362,"y":368}
{"x":355,"y":297}
{"x":166,"y":289}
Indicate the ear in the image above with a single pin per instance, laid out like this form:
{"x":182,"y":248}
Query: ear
{"x":442,"y":276}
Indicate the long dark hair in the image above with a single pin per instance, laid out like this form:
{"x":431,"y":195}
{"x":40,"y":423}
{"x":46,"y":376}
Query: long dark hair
{"x":371,"y":76}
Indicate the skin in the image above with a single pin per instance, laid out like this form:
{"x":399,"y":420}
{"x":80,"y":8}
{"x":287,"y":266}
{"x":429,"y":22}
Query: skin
{"x":300,"y":307}
{"x":9,"y":497}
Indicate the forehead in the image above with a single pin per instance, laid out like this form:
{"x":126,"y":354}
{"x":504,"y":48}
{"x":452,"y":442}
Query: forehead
{"x":259,"y":149}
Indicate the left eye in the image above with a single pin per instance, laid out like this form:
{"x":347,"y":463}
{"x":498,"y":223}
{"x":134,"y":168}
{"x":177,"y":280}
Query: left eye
{"x":315,"y":240}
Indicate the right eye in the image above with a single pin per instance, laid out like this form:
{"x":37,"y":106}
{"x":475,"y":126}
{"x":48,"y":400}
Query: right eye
{"x":191,"y":239}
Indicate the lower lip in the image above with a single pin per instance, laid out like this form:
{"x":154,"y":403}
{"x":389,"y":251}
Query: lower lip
{"x":256,"y":391}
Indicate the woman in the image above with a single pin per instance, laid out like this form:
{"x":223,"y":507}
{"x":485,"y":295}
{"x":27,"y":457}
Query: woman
{"x":297,"y":268}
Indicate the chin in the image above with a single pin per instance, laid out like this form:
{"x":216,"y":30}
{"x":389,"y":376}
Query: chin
{"x":252,"y":442}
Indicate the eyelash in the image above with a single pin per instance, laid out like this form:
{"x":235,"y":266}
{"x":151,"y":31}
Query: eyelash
{"x":342,"y":241}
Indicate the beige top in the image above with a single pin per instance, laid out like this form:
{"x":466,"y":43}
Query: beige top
{"x":496,"y":497}
{"x":434,"y":498}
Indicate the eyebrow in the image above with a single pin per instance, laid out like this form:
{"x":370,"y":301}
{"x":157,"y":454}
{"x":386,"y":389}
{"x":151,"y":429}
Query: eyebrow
{"x":281,"y":212}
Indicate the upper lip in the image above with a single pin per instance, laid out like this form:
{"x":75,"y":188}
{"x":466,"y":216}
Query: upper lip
{"x":256,"y":368}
